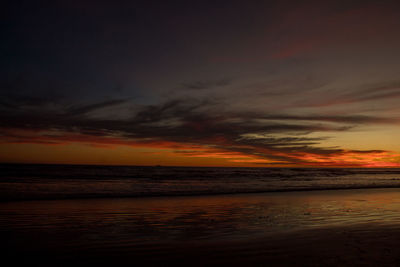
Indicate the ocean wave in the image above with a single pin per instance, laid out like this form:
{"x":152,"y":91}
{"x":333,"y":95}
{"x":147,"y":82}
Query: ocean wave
{"x":29,"y":182}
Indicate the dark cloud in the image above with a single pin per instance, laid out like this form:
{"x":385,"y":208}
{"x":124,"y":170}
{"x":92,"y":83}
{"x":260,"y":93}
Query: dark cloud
{"x":97,"y":72}
{"x":184,"y":121}
{"x":350,"y":119}
{"x":373,"y":93}
{"x":202,"y":85}
{"x":377,"y":93}
{"x":81,"y":110}
{"x":15,"y":102}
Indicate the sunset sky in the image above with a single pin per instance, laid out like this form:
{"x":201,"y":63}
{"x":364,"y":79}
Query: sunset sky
{"x":201,"y":83}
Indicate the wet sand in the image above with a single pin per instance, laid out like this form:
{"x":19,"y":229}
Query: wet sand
{"x":359,"y":245}
{"x":326,"y":228}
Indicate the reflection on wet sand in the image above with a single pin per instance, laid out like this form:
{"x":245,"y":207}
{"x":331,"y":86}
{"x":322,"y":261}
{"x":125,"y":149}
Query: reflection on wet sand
{"x":72,"y":227}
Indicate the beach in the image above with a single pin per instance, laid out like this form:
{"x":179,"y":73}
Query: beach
{"x":309,"y":228}
{"x":200,"y":133}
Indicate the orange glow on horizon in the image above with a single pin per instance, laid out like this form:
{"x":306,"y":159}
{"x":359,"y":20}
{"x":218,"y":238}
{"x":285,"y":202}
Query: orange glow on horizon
{"x":75,"y":148}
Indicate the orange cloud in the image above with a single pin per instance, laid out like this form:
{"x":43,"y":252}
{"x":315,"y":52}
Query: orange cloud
{"x":216,"y":147}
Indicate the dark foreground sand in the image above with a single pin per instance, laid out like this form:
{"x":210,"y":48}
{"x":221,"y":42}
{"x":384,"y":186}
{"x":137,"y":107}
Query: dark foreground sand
{"x":347,"y":228}
{"x":358,"y":245}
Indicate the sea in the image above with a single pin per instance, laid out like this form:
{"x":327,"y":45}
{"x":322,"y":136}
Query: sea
{"x":29,"y":182}
{"x":71,"y":213}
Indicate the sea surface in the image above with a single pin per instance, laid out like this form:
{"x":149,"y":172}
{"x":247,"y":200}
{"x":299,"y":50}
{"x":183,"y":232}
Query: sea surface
{"x":66,"y":213}
{"x":22,"y":182}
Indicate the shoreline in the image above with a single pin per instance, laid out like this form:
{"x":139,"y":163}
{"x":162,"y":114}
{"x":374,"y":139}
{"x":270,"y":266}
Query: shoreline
{"x":188,"y":166}
{"x":167,"y":195}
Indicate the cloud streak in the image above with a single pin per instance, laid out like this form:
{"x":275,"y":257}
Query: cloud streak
{"x":192,"y":128}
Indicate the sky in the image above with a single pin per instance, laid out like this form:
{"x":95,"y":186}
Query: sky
{"x":201,"y":83}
